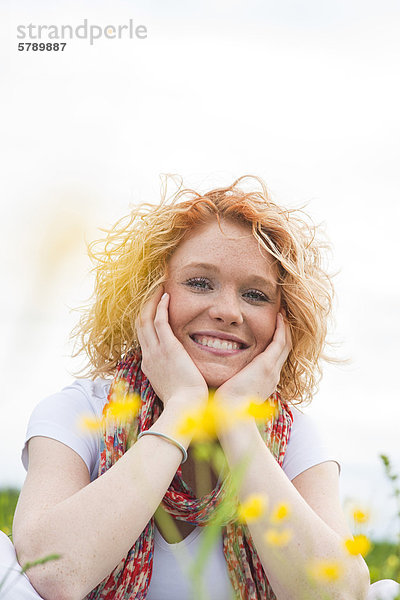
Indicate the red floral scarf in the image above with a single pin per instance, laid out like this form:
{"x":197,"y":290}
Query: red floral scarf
{"x":131,"y":577}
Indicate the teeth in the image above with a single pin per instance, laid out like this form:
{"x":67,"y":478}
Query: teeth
{"x":216,"y":343}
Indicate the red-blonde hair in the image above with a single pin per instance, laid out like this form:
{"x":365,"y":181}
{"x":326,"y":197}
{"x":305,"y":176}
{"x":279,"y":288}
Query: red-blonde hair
{"x":130,"y":262}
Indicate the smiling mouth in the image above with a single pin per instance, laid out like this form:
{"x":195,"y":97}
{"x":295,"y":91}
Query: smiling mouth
{"x":216,"y":343}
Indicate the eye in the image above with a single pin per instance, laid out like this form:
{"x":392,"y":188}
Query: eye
{"x":256,"y":296}
{"x":198,"y":283}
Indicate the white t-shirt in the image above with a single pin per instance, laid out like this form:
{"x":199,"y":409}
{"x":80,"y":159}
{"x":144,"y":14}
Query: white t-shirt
{"x":58,"y":417}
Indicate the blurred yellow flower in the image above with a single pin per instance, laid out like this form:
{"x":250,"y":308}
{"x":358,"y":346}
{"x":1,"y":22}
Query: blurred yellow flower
{"x":359,"y":545}
{"x":87,"y":423}
{"x":277,"y":537}
{"x":360,"y":516}
{"x":123,"y":409}
{"x":204,"y":451}
{"x":325,"y":570}
{"x":252,"y":508}
{"x":261,"y":412}
{"x":280,"y":513}
{"x":120,"y":388}
{"x":203,"y":423}
{"x":393,"y":561}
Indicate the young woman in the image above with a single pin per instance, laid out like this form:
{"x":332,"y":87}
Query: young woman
{"x":224,"y":292}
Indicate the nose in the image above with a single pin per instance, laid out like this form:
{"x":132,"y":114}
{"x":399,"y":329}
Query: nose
{"x":225,"y":307}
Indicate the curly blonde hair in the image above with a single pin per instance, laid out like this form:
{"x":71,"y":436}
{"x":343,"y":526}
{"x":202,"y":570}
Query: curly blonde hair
{"x":130,"y":262}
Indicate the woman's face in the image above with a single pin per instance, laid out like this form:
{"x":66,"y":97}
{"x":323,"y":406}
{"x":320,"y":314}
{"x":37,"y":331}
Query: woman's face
{"x":224,"y":298}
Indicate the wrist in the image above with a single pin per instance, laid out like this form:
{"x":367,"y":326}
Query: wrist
{"x":187,"y":399}
{"x":166,"y":437}
{"x":231,"y":402}
{"x":239,"y":441}
{"x":170,"y":420}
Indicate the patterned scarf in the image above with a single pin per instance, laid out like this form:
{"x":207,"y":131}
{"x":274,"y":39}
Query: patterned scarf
{"x":131,"y":577}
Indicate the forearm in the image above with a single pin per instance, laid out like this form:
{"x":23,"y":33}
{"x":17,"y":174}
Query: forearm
{"x":311,"y":538}
{"x":96,"y":527}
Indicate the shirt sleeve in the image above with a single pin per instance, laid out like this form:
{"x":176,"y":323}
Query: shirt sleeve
{"x":306,"y":447}
{"x":58,"y":417}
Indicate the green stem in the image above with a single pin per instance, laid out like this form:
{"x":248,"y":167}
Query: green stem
{"x":202,"y":477}
{"x":167,"y":526}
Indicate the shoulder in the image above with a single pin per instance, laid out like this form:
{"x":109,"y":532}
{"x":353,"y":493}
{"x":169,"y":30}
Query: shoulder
{"x":306,"y":446}
{"x":82,"y":397}
{"x":81,"y":394}
{"x":58,"y":417}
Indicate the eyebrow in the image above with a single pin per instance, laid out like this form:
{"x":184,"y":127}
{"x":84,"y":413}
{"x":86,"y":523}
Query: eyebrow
{"x":257,"y":279}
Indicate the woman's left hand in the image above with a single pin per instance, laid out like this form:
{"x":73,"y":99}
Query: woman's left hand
{"x":260,"y":377}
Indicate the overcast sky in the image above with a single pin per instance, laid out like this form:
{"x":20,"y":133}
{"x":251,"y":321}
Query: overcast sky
{"x":303,"y":94}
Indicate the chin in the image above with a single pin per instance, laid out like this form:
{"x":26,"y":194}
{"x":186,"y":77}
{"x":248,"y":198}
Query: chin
{"x":215,"y":380}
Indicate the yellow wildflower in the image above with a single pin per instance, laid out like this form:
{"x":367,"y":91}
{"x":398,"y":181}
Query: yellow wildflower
{"x":87,"y":423}
{"x":393,"y":561}
{"x":261,"y":412}
{"x":203,"y":423}
{"x":123,"y":409}
{"x":252,"y":509}
{"x":326,"y":570}
{"x":359,"y":545}
{"x":120,"y":388}
{"x":360,"y":516}
{"x":204,"y":451}
{"x":276,"y":537}
{"x":280,"y":513}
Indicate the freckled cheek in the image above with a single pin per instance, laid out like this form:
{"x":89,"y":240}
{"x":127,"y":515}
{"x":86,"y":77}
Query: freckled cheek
{"x":178,"y":314}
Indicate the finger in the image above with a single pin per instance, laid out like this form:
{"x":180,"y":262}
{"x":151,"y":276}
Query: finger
{"x":145,"y":322}
{"x":277,"y":344}
{"x":284,"y":335}
{"x":277,"y":351}
{"x":143,"y":339}
{"x":287,"y":346}
{"x":161,"y":321}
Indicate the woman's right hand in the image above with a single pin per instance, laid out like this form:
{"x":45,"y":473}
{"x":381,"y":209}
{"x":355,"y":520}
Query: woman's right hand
{"x":165,"y":362}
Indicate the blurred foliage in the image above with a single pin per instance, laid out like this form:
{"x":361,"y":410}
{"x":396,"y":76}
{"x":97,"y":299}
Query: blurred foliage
{"x":383,"y":560}
{"x":8,"y":502}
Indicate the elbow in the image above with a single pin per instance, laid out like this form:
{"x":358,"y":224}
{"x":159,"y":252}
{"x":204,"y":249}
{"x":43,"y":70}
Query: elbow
{"x":355,"y":586}
{"x":364,"y":580}
{"x":352,"y":584}
{"x":358,"y":581}
{"x":51,"y":588}
{"x":47,"y":575}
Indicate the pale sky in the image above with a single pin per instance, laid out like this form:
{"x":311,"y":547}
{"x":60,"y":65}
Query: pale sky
{"x":303,"y":94}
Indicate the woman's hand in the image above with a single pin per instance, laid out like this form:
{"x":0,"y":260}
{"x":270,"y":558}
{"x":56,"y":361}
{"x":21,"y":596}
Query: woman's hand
{"x":165,"y":361}
{"x":260,"y":377}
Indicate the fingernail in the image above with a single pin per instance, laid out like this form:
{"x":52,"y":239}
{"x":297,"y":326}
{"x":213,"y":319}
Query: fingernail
{"x":164,"y":295}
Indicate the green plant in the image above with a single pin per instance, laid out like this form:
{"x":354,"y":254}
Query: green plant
{"x":8,"y":502}
{"x":390,"y":568}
